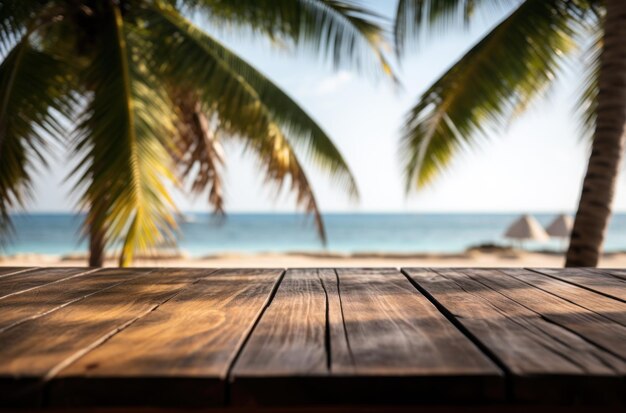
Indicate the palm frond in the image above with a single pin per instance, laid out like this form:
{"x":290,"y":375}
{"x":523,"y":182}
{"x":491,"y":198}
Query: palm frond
{"x":418,"y":17}
{"x":122,"y":138}
{"x":201,"y":156}
{"x":587,"y":102}
{"x":343,"y":32}
{"x":13,"y":17}
{"x":241,"y":101}
{"x":34,"y":99}
{"x":281,"y":165}
{"x":19,"y":17}
{"x":510,"y":67}
{"x":243,"y":97}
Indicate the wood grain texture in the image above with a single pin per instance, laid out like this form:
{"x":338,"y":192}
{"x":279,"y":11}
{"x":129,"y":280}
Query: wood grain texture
{"x":365,"y":335}
{"x":290,"y":337}
{"x":602,"y":305}
{"x":179,"y":354}
{"x":592,"y":327}
{"x":545,"y":362}
{"x":322,"y":338}
{"x":615,"y":272}
{"x":394,"y":329}
{"x":35,"y":351}
{"x":51,"y":297}
{"x":4,"y":271}
{"x":403,"y":347}
{"x":336,"y":332}
{"x":595,"y":280}
{"x":22,"y":281}
{"x":286,"y":352}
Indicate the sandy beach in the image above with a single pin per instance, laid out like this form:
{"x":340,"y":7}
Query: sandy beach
{"x":470,"y":258}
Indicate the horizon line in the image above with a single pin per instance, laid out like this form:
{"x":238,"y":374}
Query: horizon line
{"x":336,"y":212}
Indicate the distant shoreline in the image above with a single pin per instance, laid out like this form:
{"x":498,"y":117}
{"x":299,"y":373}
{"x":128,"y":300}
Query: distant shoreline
{"x":351,"y":236}
{"x":478,"y":257}
{"x":179,"y":254}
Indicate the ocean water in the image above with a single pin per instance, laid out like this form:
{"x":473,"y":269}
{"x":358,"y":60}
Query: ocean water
{"x":203,"y":234}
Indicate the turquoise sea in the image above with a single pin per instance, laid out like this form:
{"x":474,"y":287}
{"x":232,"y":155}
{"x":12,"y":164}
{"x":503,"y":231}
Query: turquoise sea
{"x":202,"y":234}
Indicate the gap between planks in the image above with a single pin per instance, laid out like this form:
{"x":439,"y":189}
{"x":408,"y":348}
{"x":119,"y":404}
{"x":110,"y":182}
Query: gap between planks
{"x":327,"y":338}
{"x":73,"y":273}
{"x":16,"y":270}
{"x":107,"y":336}
{"x":587,"y":279}
{"x":318,"y":295}
{"x":34,"y":375}
{"x":593,"y":356}
{"x":246,"y":338}
{"x":598,"y":341}
{"x":184,"y":348}
{"x":24,"y":318}
{"x":508,"y":383}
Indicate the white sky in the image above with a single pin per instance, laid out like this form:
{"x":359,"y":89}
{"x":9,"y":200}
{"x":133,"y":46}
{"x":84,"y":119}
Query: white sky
{"x":535,"y":165}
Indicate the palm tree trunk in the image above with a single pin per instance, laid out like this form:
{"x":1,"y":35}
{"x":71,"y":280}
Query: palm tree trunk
{"x":596,"y":199}
{"x":96,"y":247}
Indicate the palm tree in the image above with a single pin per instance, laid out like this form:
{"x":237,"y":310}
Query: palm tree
{"x":149,"y":97}
{"x":508,"y":69}
{"x":594,"y":209}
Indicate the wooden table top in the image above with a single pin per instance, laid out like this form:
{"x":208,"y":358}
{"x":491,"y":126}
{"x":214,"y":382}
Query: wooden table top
{"x":233,"y":338}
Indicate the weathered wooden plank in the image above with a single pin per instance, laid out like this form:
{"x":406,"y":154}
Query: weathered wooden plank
{"x":615,"y":272}
{"x":403,"y":349}
{"x":20,"y":282}
{"x":4,"y":271}
{"x":35,"y":351}
{"x":289,"y":341}
{"x":546,"y":362}
{"x":179,"y":354}
{"x":392,"y":328}
{"x":375,"y":339}
{"x":600,"y":304}
{"x":51,"y":297}
{"x":336,"y":332}
{"x":360,"y":336}
{"x":290,"y":338}
{"x":396,"y":333}
{"x":597,"y":329}
{"x":594,"y":280}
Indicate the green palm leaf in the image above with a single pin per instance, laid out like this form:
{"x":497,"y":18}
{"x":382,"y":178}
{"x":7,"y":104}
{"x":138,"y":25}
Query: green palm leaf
{"x":15,"y":17}
{"x":281,"y":165}
{"x":506,"y":70}
{"x":587,"y":102}
{"x":200,"y":155}
{"x":245,"y":104}
{"x":341,"y":31}
{"x":133,"y":60}
{"x":33,"y":103}
{"x":242,"y":96}
{"x":122,"y":138}
{"x":418,"y":17}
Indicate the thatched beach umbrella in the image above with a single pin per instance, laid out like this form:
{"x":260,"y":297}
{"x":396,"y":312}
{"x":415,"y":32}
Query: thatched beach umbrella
{"x":561,"y":227}
{"x":526,"y":228}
